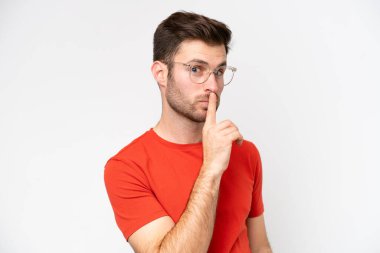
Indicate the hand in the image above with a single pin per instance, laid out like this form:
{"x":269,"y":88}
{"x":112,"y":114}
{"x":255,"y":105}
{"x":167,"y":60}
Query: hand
{"x":217,"y":139}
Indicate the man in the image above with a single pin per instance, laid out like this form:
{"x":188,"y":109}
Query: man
{"x":190,"y":184}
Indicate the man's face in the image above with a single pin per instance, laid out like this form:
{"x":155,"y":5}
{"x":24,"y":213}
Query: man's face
{"x":185,"y":97}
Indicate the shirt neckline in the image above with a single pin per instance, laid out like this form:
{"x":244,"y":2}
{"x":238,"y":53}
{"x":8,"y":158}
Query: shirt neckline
{"x":172,"y":144}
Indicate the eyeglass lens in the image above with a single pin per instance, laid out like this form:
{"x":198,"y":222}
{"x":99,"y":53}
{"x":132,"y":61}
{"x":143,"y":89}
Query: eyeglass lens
{"x":199,"y":73}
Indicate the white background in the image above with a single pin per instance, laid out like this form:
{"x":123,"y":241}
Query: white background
{"x":75,"y":87}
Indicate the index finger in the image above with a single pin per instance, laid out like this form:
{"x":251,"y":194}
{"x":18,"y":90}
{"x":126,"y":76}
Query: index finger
{"x":211,"y":110}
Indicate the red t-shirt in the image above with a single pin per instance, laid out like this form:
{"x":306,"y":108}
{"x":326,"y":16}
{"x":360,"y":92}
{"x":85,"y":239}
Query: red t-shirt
{"x":152,"y":177}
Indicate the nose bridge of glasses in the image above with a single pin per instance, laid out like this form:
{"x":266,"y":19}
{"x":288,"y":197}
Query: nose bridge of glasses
{"x":207,"y":73}
{"x":215,"y":72}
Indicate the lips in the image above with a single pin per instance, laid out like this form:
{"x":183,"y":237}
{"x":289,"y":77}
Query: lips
{"x":203,"y":104}
{"x":204,"y":100}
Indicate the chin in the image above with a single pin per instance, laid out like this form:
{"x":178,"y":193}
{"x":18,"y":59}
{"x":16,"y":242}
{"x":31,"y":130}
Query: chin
{"x":199,"y":117}
{"x":202,"y":116}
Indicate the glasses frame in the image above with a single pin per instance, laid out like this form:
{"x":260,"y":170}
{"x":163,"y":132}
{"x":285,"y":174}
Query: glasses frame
{"x":189,"y":66}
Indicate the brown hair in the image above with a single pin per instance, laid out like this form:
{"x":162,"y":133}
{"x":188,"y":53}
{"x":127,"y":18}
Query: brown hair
{"x":181,"y":26}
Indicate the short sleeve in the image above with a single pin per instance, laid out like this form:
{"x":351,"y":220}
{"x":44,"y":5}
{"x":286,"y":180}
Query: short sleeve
{"x":133,"y":202}
{"x":257,"y":206}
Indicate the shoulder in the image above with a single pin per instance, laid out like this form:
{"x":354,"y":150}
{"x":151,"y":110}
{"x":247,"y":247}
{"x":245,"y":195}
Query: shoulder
{"x":130,"y":158}
{"x":134,"y":150}
{"x":248,"y":149}
{"x":246,"y":156}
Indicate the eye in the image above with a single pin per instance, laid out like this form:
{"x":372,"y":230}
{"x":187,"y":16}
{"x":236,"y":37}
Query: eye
{"x":220,"y":71}
{"x":198,"y":70}
{"x":195,"y":69}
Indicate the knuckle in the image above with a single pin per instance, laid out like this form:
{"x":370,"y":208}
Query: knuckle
{"x":226,"y":122}
{"x":235,"y":129}
{"x":232,"y":124}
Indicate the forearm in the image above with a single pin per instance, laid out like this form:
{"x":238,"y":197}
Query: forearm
{"x":266,"y":249}
{"x":193,"y":231}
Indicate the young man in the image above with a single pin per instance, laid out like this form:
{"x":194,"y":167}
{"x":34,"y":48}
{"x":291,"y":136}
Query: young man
{"x":190,"y":184}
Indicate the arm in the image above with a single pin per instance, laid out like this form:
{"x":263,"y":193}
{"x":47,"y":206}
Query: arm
{"x":258,"y":240}
{"x":193,"y":231}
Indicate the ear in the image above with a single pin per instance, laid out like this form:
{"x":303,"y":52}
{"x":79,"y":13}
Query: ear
{"x":160,"y":73}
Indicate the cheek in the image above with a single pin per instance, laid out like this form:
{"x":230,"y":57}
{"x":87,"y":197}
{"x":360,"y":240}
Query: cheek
{"x":186,"y":86}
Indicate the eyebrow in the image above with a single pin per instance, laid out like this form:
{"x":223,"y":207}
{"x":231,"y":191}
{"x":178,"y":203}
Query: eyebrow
{"x":204,"y":62}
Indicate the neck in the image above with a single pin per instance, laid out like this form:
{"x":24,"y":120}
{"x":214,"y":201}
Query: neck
{"x":179,"y":129}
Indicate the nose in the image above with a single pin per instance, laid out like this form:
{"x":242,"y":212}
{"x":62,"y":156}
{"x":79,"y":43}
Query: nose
{"x":211,"y":85}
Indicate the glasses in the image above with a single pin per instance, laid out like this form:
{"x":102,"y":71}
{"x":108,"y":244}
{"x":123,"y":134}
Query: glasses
{"x":200,"y":73}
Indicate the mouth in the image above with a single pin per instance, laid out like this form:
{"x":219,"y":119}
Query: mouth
{"x":203,"y":100}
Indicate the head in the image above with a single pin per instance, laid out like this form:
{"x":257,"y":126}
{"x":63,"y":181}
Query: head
{"x":189,"y":38}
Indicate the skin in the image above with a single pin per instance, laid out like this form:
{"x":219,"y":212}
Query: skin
{"x":189,"y":116}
